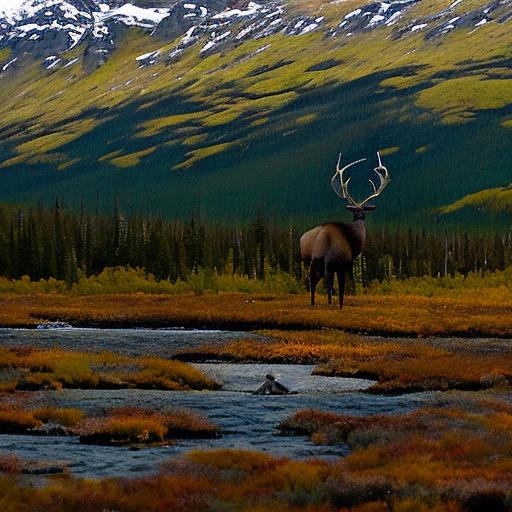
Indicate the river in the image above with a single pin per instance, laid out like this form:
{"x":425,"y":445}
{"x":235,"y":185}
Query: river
{"x":247,"y":421}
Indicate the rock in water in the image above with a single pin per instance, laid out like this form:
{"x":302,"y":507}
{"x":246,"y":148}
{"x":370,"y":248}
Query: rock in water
{"x":271,"y":387}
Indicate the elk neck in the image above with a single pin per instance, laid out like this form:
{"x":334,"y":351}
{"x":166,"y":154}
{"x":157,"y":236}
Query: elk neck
{"x":358,"y":232}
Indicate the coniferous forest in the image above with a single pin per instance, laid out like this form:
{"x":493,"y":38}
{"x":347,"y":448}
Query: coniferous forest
{"x":60,"y":243}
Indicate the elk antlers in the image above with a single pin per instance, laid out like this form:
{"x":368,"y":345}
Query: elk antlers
{"x":342,"y":189}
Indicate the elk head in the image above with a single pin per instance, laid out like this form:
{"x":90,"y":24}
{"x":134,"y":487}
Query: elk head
{"x":340,"y":185}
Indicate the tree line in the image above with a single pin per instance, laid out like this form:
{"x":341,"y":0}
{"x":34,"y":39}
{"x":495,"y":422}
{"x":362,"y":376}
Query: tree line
{"x":60,"y":243}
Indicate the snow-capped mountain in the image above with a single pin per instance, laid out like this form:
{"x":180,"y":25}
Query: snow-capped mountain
{"x":51,"y":28}
{"x":166,"y":104}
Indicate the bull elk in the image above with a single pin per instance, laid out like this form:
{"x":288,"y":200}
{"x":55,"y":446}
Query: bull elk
{"x":331,"y":248}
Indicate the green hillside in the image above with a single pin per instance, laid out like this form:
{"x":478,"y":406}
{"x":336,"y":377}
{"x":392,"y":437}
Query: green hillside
{"x":260,"y":125}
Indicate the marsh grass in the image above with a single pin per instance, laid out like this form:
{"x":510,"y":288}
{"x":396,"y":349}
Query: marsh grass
{"x":396,"y":366}
{"x":468,"y":315}
{"x":55,"y":369}
{"x":141,"y":426}
{"x":471,"y":306}
{"x":116,"y":427}
{"x":18,"y":416}
{"x":450,"y":457}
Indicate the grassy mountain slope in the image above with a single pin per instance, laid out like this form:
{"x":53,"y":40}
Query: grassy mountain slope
{"x":261,"y":124}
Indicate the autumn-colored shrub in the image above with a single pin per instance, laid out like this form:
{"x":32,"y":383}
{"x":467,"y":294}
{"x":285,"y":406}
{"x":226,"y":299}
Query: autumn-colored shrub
{"x":242,"y":462}
{"x":396,"y":366}
{"x":54,"y":369}
{"x":119,"y":426}
{"x":330,"y":428}
{"x":66,"y":417}
{"x":451,"y":457}
{"x":136,"y":280}
{"x":17,"y":421}
{"x":467,"y":312}
{"x":437,"y":458}
{"x":121,"y":430}
{"x":128,"y":426}
{"x":18,"y":417}
{"x":10,"y":463}
{"x":426,"y":472}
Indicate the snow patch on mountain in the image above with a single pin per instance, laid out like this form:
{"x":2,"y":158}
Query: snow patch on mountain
{"x":132,"y":15}
{"x":45,"y":28}
{"x":11,"y":7}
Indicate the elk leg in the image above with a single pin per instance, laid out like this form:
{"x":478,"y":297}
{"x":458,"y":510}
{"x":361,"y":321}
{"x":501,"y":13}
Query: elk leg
{"x":313,"y":281}
{"x":351,"y":277}
{"x":341,"y":286}
{"x":329,"y":282}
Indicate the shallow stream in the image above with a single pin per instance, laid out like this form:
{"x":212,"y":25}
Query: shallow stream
{"x":247,"y":421}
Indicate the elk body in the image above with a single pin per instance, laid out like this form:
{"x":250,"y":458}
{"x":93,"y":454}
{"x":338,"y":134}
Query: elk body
{"x":330,"y":249}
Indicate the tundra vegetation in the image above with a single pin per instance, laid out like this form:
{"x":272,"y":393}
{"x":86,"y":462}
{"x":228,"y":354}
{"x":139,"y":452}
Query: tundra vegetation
{"x":116,"y":427}
{"x":119,"y":270}
{"x":396,"y":366}
{"x":35,"y":369}
{"x":459,"y":311}
{"x":453,"y":457}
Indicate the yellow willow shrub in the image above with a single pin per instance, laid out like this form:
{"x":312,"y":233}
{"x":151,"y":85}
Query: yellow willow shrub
{"x":132,"y":425}
{"x":55,"y":368}
{"x":15,"y":421}
{"x":67,"y":417}
{"x":136,"y":280}
{"x":430,"y":286}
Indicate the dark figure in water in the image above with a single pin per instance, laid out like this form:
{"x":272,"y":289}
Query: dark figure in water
{"x":271,"y":387}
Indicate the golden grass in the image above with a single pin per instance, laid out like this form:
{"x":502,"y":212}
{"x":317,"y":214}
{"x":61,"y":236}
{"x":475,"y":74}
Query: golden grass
{"x":119,"y":426}
{"x":18,"y":417}
{"x":452,"y":457}
{"x":56,"y":369}
{"x":68,"y":417}
{"x":140,"y":426}
{"x":18,"y":421}
{"x":472,"y":312}
{"x":397,"y":366}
